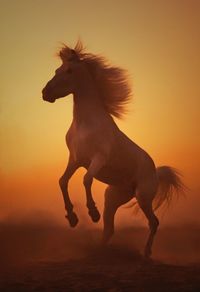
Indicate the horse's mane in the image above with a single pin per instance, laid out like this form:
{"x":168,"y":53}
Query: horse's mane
{"x":112,"y":82}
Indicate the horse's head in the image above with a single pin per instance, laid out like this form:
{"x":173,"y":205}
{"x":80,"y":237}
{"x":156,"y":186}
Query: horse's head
{"x":64,"y":81}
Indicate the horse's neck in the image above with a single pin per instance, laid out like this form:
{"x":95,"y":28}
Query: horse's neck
{"x":89,"y":110}
{"x":88,"y":107}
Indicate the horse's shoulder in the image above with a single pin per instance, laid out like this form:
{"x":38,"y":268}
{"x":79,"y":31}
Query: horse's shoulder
{"x":70,"y":133}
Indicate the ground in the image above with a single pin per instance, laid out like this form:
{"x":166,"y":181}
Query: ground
{"x":46,"y":257}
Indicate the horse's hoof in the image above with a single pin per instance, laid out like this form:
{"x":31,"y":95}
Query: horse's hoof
{"x":94,"y":214}
{"x":73,"y":219}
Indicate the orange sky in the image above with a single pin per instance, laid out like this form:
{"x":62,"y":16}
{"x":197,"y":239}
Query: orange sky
{"x":157,"y":41}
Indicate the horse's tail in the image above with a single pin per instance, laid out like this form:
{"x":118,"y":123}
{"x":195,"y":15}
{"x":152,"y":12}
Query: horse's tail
{"x":170,"y":186}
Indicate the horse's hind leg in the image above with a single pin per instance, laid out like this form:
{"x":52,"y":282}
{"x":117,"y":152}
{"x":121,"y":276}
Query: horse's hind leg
{"x":145,"y":203}
{"x":114,"y":198}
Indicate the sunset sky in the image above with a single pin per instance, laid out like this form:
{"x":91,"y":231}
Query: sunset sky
{"x":156,"y":41}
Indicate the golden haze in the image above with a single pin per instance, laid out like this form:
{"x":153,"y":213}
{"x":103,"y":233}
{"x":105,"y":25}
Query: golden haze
{"x":157,"y":42}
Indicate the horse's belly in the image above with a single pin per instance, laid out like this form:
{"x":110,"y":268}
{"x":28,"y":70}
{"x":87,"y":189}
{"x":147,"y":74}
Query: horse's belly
{"x":115,"y":176}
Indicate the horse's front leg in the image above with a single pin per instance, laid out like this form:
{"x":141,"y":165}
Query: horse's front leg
{"x":96,"y":164}
{"x":63,"y":182}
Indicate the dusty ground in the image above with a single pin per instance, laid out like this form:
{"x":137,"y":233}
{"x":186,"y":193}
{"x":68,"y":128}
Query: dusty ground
{"x":51,"y":258}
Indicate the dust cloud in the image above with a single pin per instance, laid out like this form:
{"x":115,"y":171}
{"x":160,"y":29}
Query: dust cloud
{"x":40,"y":237}
{"x":38,"y":253}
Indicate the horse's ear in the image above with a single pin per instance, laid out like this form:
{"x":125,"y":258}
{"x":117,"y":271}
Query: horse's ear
{"x":74,"y":56}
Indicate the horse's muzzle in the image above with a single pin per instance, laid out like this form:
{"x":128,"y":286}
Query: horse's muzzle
{"x":48,"y":99}
{"x":46,"y":96}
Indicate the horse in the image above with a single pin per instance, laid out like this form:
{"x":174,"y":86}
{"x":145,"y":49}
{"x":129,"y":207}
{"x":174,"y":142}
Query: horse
{"x":100,"y":93}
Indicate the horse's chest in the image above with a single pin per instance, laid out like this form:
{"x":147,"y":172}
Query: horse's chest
{"x":81,"y":143}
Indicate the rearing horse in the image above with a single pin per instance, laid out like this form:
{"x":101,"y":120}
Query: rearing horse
{"x":100,"y":91}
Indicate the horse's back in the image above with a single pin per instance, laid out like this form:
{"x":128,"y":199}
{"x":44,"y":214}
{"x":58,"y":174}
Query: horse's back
{"x":130,"y":154}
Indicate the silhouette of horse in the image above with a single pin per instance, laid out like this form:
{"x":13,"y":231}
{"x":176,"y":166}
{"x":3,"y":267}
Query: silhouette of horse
{"x":101,"y":91}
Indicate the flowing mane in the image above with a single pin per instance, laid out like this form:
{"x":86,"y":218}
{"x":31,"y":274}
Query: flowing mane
{"x":112,"y":82}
